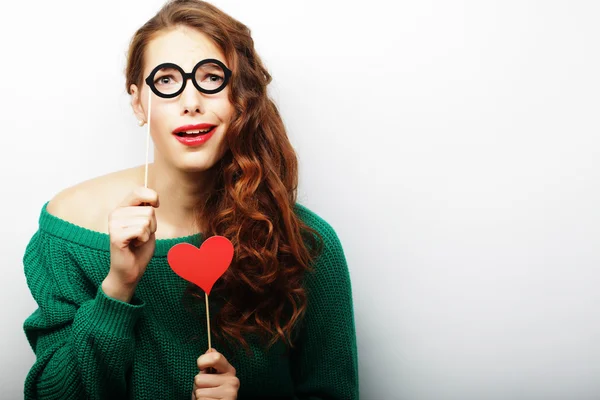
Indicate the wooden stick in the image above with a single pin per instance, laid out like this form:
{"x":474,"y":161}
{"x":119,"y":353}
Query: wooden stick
{"x":148,"y":135}
{"x":207,"y":319}
{"x":209,"y":370}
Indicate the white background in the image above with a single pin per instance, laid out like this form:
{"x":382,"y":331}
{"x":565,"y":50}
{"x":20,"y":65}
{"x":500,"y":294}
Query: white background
{"x":453,"y":145}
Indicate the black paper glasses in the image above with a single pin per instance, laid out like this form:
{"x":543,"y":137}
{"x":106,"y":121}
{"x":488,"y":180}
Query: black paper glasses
{"x":168,"y":80}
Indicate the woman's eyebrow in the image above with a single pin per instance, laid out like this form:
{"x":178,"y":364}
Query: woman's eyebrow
{"x":210,"y":66}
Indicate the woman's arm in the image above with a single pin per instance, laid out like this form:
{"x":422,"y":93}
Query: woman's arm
{"x":325,"y":360}
{"x":83,"y":340}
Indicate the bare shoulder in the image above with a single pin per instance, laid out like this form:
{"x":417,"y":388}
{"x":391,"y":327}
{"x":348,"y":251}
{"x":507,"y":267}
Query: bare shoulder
{"x":89,"y":203}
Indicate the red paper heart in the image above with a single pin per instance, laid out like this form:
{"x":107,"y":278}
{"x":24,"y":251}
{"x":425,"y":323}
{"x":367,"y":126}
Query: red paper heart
{"x":202,"y":266}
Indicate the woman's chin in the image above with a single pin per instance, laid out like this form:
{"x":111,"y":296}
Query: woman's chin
{"x":195,"y":164}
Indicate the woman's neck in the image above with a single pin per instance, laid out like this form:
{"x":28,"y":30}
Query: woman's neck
{"x":179,"y":194}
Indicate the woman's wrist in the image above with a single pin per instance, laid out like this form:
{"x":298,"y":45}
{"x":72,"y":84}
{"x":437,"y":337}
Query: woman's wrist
{"x":117,"y":290}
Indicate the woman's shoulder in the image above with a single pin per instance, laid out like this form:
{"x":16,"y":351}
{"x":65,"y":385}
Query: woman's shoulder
{"x":330,"y":273}
{"x":315,"y":221}
{"x":332,"y":250}
{"x":88,"y":203}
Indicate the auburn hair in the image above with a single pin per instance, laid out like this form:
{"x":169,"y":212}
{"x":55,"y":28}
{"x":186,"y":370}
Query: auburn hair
{"x":253,"y":197}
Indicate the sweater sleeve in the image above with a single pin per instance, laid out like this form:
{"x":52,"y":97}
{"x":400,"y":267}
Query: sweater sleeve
{"x":83,"y":341}
{"x":325,"y":359}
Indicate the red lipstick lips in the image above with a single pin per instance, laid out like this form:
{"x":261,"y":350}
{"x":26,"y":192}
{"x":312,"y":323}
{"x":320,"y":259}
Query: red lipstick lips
{"x":194,"y":135}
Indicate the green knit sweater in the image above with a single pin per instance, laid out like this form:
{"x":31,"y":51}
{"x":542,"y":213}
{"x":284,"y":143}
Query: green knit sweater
{"x":91,"y":346}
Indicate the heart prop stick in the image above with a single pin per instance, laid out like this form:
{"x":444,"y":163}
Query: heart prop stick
{"x":202,"y":266}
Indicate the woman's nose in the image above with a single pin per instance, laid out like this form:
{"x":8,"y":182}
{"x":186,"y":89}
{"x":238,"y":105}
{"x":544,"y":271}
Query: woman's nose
{"x":192,"y":100}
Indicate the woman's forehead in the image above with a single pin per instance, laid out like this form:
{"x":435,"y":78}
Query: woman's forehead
{"x":183,"y":46}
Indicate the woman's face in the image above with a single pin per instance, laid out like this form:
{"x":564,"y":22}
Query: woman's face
{"x":185,"y":47}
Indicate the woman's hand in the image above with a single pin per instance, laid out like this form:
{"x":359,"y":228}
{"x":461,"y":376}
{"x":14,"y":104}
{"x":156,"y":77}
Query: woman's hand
{"x":223,"y":384}
{"x":131,"y":227}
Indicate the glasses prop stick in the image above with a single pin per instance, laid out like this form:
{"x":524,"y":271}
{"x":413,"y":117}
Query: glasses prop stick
{"x":148,"y":138}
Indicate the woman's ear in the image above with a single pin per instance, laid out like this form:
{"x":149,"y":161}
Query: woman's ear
{"x":136,"y":103}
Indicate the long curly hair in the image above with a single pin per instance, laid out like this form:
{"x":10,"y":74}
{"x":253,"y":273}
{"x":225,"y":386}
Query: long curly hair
{"x":255,"y":187}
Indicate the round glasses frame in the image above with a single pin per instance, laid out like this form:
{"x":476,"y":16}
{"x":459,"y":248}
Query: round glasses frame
{"x":192,"y":75}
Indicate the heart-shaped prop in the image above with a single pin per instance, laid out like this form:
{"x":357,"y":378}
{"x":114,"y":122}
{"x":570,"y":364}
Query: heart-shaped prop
{"x":202,"y":266}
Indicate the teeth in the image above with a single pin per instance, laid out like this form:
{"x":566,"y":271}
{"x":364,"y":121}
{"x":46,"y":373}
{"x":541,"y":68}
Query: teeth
{"x":197,"y":132}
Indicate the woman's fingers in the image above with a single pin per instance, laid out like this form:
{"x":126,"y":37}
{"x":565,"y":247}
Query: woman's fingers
{"x":124,"y":228}
{"x":217,"y":361}
{"x":213,"y":380}
{"x":217,"y":386}
{"x":221,"y":392}
{"x":221,"y":385}
{"x":209,"y":393}
{"x":140,"y":195}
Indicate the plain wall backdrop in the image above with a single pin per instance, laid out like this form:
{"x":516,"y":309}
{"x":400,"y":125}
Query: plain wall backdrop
{"x":453,"y":145}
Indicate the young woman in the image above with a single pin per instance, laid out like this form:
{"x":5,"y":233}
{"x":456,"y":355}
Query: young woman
{"x":114,"y":321}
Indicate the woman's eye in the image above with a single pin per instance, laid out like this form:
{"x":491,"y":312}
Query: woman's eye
{"x":163,"y":79}
{"x":214,"y":78}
